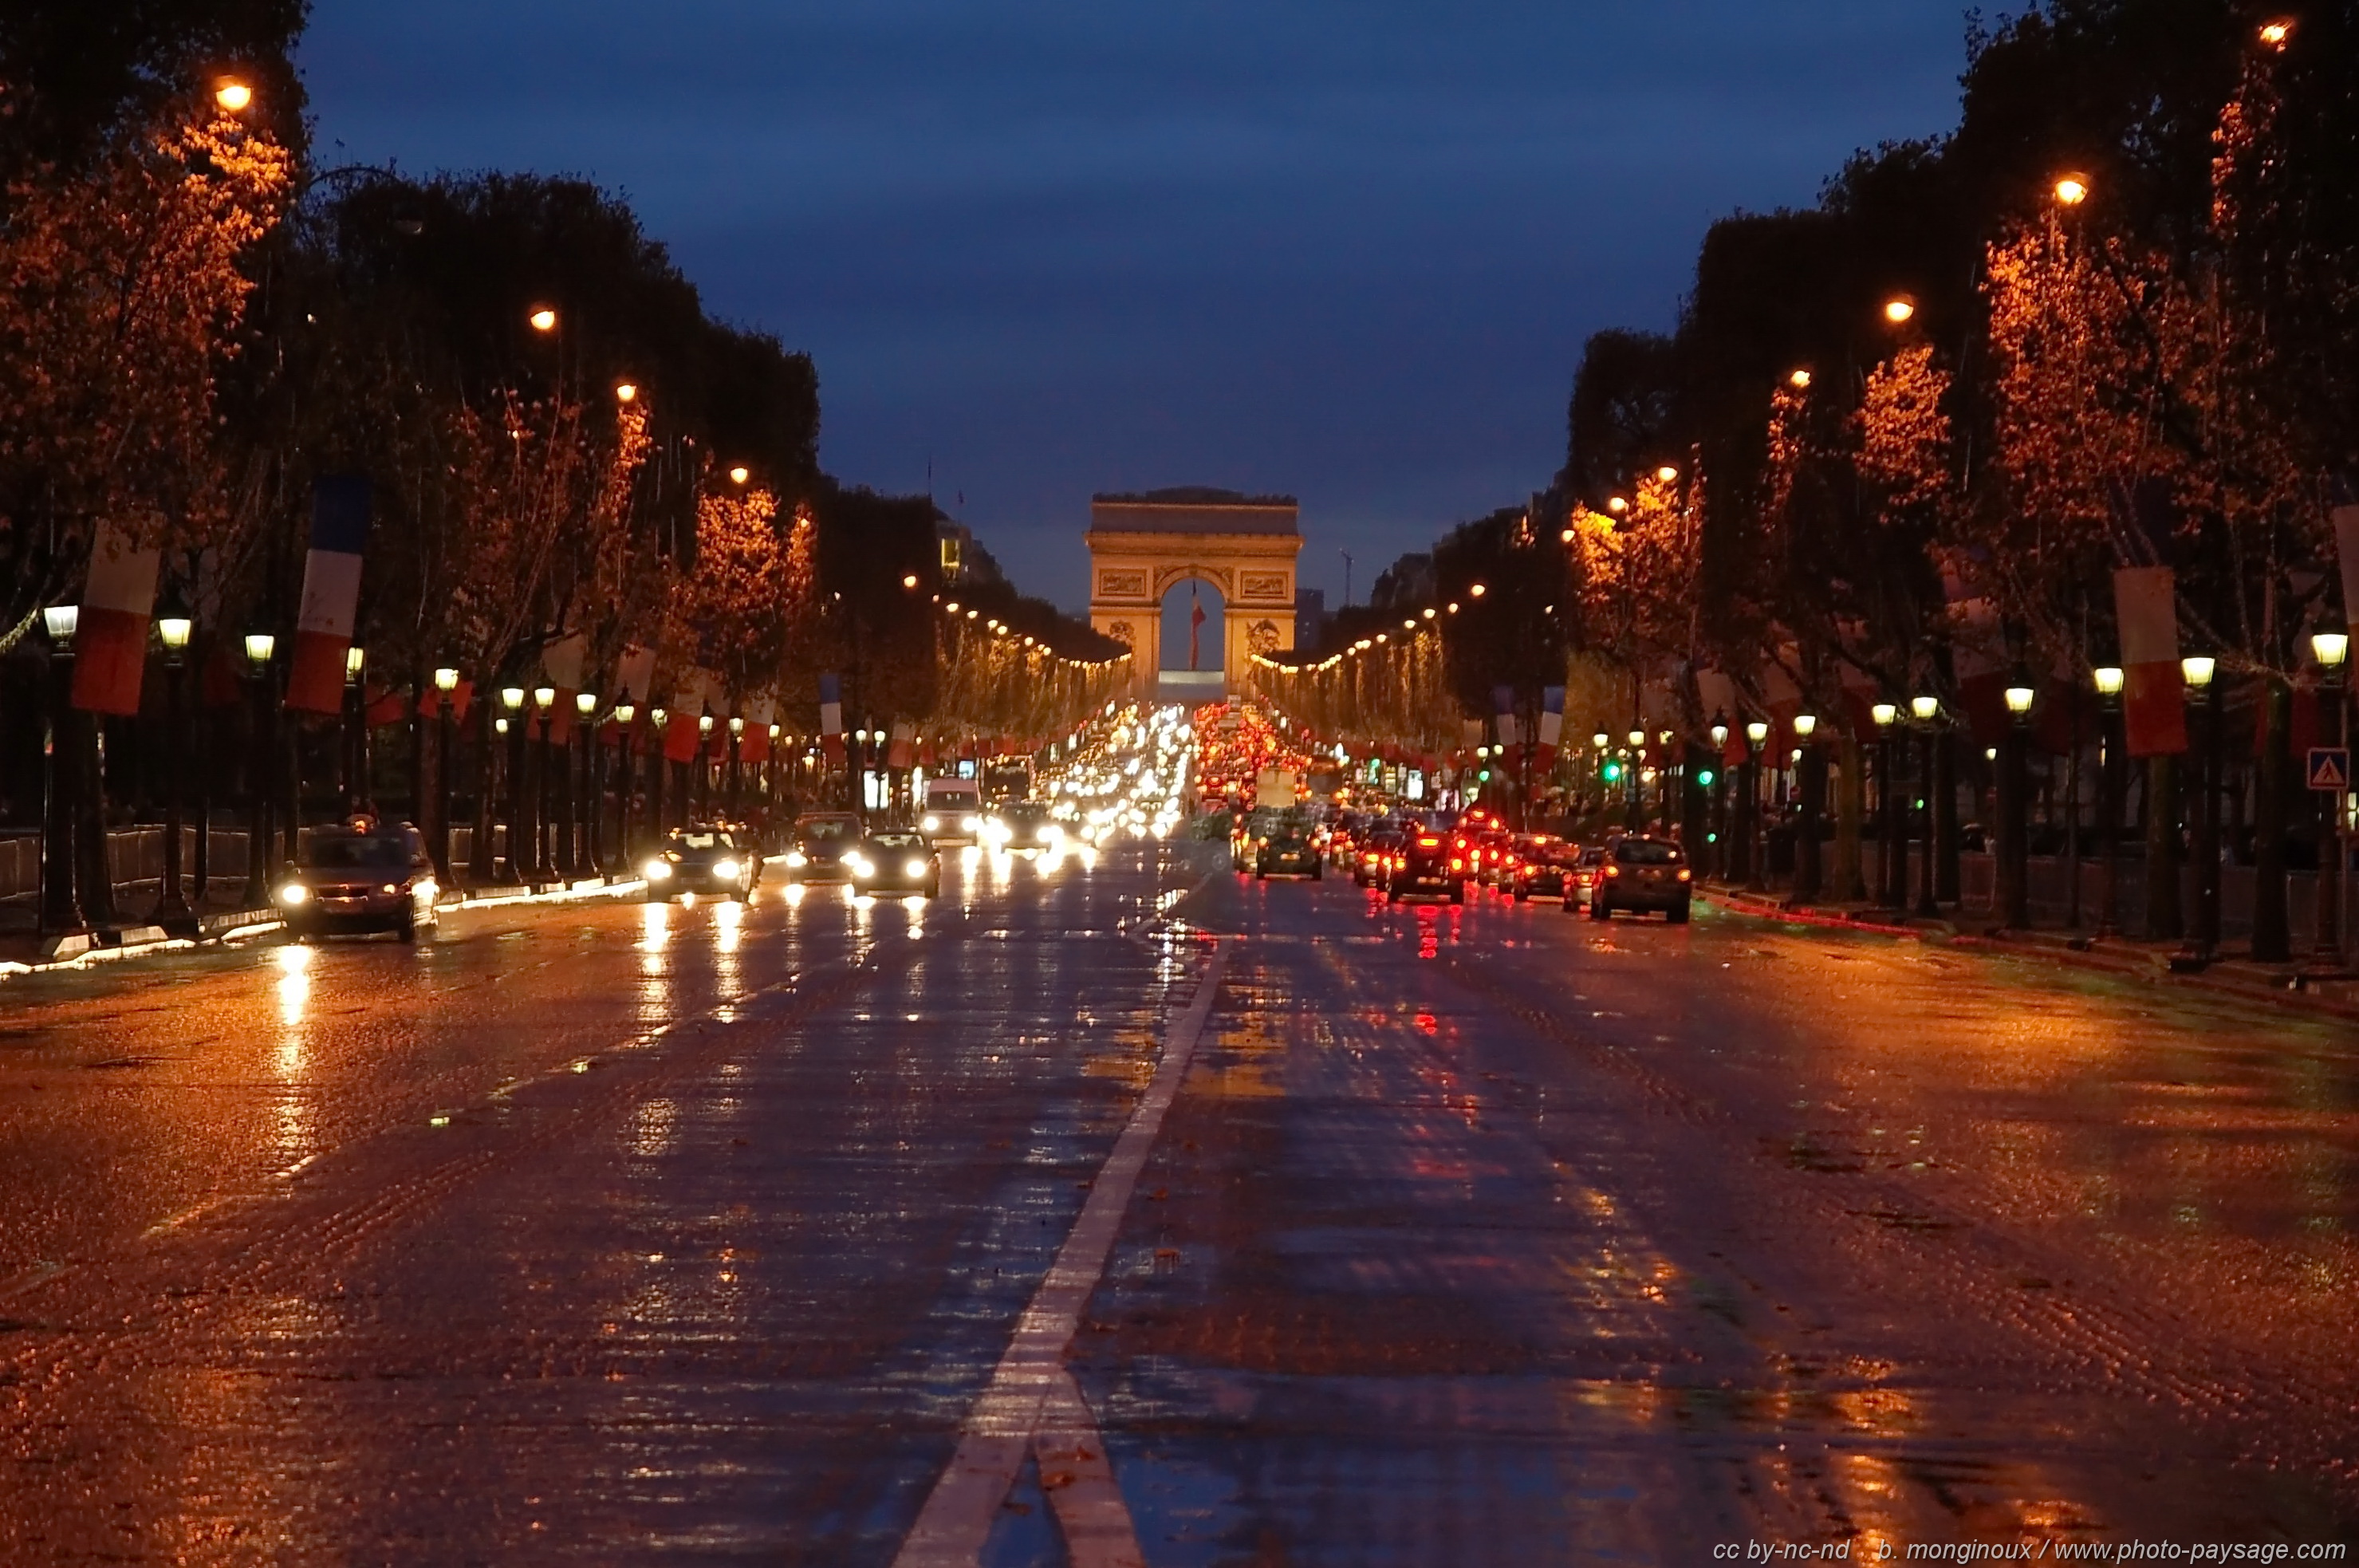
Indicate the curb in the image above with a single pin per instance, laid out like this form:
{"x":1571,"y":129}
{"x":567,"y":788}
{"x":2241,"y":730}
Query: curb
{"x":2136,"y":966}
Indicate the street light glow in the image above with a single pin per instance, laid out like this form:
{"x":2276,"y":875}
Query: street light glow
{"x":1898,"y":309}
{"x":1799,"y":380}
{"x":2276,"y":31}
{"x":259,"y":647}
{"x":2071,"y":190}
{"x":446,"y":678}
{"x":1616,"y":504}
{"x":1667,"y":473}
{"x":1477,"y":591}
{"x":2331,"y":649}
{"x":626,"y":392}
{"x":739,"y":474}
{"x":1925,"y":708}
{"x":543,"y":320}
{"x":175,"y":631}
{"x":2198,"y":668}
{"x":2108,"y":678}
{"x":232,"y":95}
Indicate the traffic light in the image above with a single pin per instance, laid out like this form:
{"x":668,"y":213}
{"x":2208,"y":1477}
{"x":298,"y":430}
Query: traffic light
{"x":1613,"y":773}
{"x":1483,"y":776}
{"x":1704,"y":775}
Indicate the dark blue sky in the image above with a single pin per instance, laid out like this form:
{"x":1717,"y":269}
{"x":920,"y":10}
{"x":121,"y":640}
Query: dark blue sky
{"x":1347,"y":250}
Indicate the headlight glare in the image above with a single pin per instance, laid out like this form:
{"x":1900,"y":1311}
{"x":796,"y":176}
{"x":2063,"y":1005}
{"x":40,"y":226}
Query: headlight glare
{"x":914,"y":868}
{"x":657,"y":870}
{"x":293,"y":894}
{"x":726,"y":870}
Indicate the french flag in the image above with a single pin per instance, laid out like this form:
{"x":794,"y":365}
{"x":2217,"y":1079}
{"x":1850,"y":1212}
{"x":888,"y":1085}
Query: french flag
{"x":682,"y":736}
{"x":831,"y":715}
{"x":902,"y":751}
{"x":331,"y":594}
{"x":561,"y":662}
{"x":755,"y":745}
{"x":2153,"y":705}
{"x":1551,"y":723}
{"x":110,"y":635}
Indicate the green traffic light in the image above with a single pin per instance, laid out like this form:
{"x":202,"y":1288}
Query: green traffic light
{"x":1613,"y":772}
{"x":1483,"y":776}
{"x":1703,"y":778}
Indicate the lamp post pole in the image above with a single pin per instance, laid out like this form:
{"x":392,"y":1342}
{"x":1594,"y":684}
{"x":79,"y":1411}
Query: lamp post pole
{"x":2203,"y":934}
{"x":658,"y":764}
{"x":736,"y":743}
{"x":2331,"y":649}
{"x":703,"y":795}
{"x":173,"y":631}
{"x":1719,"y":806}
{"x":592,"y":790}
{"x":518,"y":856}
{"x":2014,"y":818}
{"x":1891,"y":798}
{"x":262,"y":769}
{"x":61,"y":911}
{"x":2108,"y":680}
{"x":446,"y":765}
{"x":355,"y":735}
{"x":1748,"y":808}
{"x":1811,"y":768}
{"x":1927,"y":711}
{"x":624,"y":785}
{"x":544,"y":709}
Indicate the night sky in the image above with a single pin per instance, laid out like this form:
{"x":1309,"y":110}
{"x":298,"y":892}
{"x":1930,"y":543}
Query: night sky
{"x":1348,"y":251}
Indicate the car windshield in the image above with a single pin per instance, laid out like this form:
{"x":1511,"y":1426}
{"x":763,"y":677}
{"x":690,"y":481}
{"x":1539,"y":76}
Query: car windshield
{"x":699,"y":840}
{"x":897,"y":841}
{"x":1025,"y":812}
{"x":1592,"y":856}
{"x":1646,"y":851}
{"x":828,"y":830}
{"x":339,"y":853}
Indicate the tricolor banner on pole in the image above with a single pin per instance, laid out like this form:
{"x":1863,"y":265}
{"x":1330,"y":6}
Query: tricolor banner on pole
{"x":331,"y":594}
{"x":110,"y":635}
{"x":1551,"y":723}
{"x":2154,"y":708}
{"x":561,"y":662}
{"x":901,"y":751}
{"x":635,"y":674}
{"x":831,"y":715}
{"x":756,"y":746}
{"x":2346,"y":545}
{"x":681,"y":730}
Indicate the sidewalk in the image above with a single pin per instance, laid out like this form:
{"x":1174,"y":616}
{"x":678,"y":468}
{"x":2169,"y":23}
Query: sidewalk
{"x":2232,"y":973}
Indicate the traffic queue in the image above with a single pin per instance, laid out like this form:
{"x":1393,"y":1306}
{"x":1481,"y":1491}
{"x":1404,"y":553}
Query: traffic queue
{"x":1404,"y":855}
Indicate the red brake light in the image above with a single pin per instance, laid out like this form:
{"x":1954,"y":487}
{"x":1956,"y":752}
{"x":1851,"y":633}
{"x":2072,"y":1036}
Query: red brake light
{"x":1685,"y":874}
{"x":1614,"y":871}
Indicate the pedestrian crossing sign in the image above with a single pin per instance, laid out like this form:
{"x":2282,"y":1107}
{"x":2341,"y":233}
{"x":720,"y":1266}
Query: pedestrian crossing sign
{"x":2329,"y":768}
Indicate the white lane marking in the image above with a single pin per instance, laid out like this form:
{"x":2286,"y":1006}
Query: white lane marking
{"x":958,"y":1515}
{"x":1079,"y":1480}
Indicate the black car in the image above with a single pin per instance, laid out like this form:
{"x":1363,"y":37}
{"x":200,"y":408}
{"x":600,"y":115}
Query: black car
{"x":360,"y":879}
{"x":1022,"y":826}
{"x":1288,"y":849}
{"x":1541,"y":861}
{"x":1427,"y":865}
{"x":897,"y":863}
{"x":1643,"y":873}
{"x":1373,"y":861}
{"x":821,"y":840}
{"x":723,"y":862}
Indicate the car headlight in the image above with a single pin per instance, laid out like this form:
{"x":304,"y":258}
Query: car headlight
{"x":859,"y":865}
{"x":970,"y":823}
{"x":913,"y":868}
{"x":932,"y":824}
{"x":657,"y":870}
{"x":293,"y":894}
{"x":726,"y":870}
{"x":1050,"y":833}
{"x":797,"y":857}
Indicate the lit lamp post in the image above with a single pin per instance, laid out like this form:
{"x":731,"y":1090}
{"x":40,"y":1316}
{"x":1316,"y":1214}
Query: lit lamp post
{"x":658,"y":765}
{"x":1926,"y":709}
{"x":544,"y":707}
{"x":1600,"y":742}
{"x":1812,"y":767}
{"x":173,"y":631}
{"x":1748,"y":808}
{"x":2108,"y":681}
{"x":514,"y":725}
{"x":736,"y":743}
{"x":60,"y":908}
{"x":356,"y":789}
{"x":2014,"y":817}
{"x":1892,"y":885}
{"x":2331,"y":649}
{"x":1635,"y":780}
{"x":2203,"y":937}
{"x":592,"y":803}
{"x":1719,"y":733}
{"x":703,"y":796}
{"x":627,"y":782}
{"x":446,"y":762}
{"x":259,"y":647}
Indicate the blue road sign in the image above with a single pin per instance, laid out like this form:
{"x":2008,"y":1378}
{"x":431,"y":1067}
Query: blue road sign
{"x":2329,"y":768}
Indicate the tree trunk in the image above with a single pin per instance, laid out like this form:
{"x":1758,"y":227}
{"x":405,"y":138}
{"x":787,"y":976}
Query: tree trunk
{"x":1851,"y":814}
{"x":1945,"y":807}
{"x":2164,"y":919}
{"x":2272,"y":938}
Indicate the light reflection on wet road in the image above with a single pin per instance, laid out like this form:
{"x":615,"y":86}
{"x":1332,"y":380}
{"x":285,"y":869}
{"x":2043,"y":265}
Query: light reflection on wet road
{"x":624,"y":1232}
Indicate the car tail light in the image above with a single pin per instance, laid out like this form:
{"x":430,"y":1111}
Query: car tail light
{"x":1685,"y":874}
{"x":1614,"y":871}
{"x":1457,"y":863}
{"x":1429,"y":843}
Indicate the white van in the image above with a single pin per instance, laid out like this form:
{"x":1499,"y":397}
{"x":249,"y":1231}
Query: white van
{"x":952,"y":811}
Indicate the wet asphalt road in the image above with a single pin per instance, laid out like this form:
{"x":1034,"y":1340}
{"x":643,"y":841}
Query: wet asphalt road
{"x":613,"y":1233}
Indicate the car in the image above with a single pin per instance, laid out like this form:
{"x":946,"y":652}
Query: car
{"x":1375,"y":861}
{"x":819,"y":842}
{"x":899,"y":862}
{"x":702,"y":857}
{"x":1427,"y":863}
{"x":1288,"y":849}
{"x":951,"y":812}
{"x":1536,"y":866}
{"x":1582,"y":876}
{"x":360,"y":877}
{"x":1641,"y":873}
{"x":1486,"y":853}
{"x":1024,"y":827}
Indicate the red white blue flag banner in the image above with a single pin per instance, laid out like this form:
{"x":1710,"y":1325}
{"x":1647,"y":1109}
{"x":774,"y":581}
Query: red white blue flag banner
{"x":331,"y":594}
{"x":111,"y":633}
{"x":2154,"y":707}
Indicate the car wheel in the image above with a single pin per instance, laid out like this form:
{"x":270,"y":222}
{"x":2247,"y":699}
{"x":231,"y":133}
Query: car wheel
{"x":1677,"y":914}
{"x":1599,"y":910}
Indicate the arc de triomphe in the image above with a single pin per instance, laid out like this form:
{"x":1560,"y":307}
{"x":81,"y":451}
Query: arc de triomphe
{"x":1245,"y":546}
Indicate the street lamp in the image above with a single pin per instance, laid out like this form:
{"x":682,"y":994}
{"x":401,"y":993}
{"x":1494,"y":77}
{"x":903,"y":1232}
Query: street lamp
{"x":1893,"y":891}
{"x":2204,"y":938}
{"x":1748,"y":808}
{"x":1927,"y":710}
{"x":259,"y":648}
{"x":61,"y":910}
{"x":625,"y":784}
{"x":544,"y":320}
{"x":736,"y":747}
{"x":1811,"y":761}
{"x":517,"y":862}
{"x":1899,"y":308}
{"x":232,"y":95}
{"x":2014,"y":867}
{"x":2071,"y":190}
{"x":703,"y":798}
{"x":2108,"y":679}
{"x":173,"y":631}
{"x":2331,"y":649}
{"x":544,"y":814}
{"x":658,"y":765}
{"x":446,"y":765}
{"x":1799,"y":380}
{"x":356,"y":766}
{"x":593,"y":804}
{"x":1719,"y":786}
{"x":626,"y":392}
